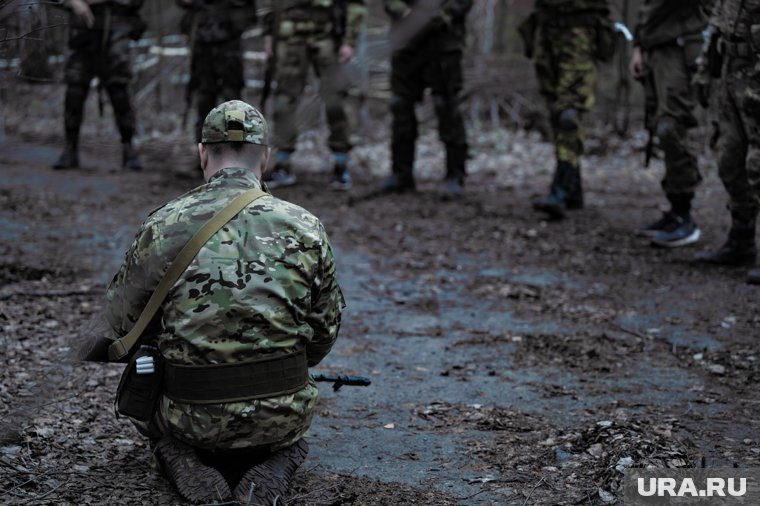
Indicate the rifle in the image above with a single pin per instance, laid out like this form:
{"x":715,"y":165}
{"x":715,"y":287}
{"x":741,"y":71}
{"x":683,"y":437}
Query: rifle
{"x":340,"y":380}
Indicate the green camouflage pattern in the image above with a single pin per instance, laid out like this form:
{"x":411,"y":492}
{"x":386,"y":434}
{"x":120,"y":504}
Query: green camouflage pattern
{"x":265,"y":284}
{"x":567,"y":74}
{"x":738,"y":19}
{"x":739,"y":142}
{"x":315,"y":19}
{"x":220,"y":123}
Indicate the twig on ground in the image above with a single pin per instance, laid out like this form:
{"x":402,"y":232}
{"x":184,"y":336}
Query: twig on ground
{"x":534,"y":489}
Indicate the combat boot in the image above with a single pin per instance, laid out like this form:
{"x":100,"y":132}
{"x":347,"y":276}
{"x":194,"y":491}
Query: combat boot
{"x":69,"y":158}
{"x":341,"y":178}
{"x":739,"y":248}
{"x":129,"y":158}
{"x":397,"y":183}
{"x":195,"y":481}
{"x":453,"y":188}
{"x":267,"y":483}
{"x":565,"y":192}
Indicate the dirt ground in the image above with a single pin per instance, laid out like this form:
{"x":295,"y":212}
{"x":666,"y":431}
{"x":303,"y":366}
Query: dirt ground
{"x":514,"y":360}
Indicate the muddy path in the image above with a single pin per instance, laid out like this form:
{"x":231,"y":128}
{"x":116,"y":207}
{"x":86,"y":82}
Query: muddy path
{"x":514,"y":361}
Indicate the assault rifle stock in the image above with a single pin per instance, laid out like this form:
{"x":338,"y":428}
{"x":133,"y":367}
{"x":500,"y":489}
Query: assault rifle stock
{"x":340,"y":380}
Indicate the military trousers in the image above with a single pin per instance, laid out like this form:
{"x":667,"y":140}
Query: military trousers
{"x":105,"y":56}
{"x":216,"y":74}
{"x":669,"y":84}
{"x":412,"y":72}
{"x":739,"y":141}
{"x":566,"y":71}
{"x":295,"y":57}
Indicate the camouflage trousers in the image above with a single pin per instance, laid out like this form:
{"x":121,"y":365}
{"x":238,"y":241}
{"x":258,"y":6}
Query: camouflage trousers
{"x":216,"y":75}
{"x":739,"y":142}
{"x":295,"y":56}
{"x":107,"y":58}
{"x":566,"y":71}
{"x":412,"y":71}
{"x":669,"y":84}
{"x":261,"y":423}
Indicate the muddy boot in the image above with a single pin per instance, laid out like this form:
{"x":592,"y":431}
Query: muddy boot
{"x":195,"y":481}
{"x":397,"y":183}
{"x":129,"y":158}
{"x":565,"y":192}
{"x":341,"y":178}
{"x":269,"y":481}
{"x":69,"y":158}
{"x":453,"y":188}
{"x":739,"y":249}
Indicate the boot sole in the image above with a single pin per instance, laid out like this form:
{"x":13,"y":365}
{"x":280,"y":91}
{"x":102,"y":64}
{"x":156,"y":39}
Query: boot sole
{"x":690,"y":239}
{"x":266,"y":483}
{"x":194,"y":481}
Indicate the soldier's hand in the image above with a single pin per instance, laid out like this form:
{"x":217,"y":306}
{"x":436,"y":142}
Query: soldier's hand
{"x":345,"y":53}
{"x":636,"y":66}
{"x":83,"y":12}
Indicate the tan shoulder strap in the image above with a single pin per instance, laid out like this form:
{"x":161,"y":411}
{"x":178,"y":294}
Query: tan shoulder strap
{"x":120,"y":348}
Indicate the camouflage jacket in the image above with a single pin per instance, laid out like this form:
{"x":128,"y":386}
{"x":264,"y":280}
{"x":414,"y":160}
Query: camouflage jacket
{"x":265,"y":284}
{"x":738,"y":19}
{"x":571,"y":5}
{"x":216,"y":20}
{"x":446,"y":30}
{"x":663,"y":21}
{"x":338,"y":19}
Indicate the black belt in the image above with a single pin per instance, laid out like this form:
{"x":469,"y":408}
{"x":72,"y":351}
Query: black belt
{"x":224,"y":383}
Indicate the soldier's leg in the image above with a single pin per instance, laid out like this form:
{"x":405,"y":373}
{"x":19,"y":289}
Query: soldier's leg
{"x":333,"y":87}
{"x":674,"y":117}
{"x":447,"y":98}
{"x":733,"y":148}
{"x":407,"y":85}
{"x":751,"y":116}
{"x":116,"y":74}
{"x":572,"y":56}
{"x":79,"y":73}
{"x":229,"y":68}
{"x":292,"y":70}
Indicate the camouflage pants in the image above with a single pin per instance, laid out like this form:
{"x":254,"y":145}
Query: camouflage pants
{"x":412,"y":71}
{"x":566,"y":72}
{"x":216,"y":75}
{"x":109,"y":62}
{"x":669,"y":84}
{"x":739,"y":143}
{"x":295,"y":56}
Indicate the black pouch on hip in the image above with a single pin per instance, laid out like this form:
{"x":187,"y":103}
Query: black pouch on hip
{"x":140,"y":385}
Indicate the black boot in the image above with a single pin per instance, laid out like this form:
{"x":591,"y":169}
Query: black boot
{"x":398,"y":183}
{"x":753,"y":277}
{"x":69,"y":158}
{"x":268,"y":482}
{"x":129,"y":158}
{"x":565,"y":192}
{"x":739,"y":249}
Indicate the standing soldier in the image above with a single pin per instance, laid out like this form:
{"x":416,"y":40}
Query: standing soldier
{"x":99,"y":35}
{"x":566,"y":38}
{"x":668,"y":41}
{"x":216,"y":69}
{"x":318,"y":34}
{"x":736,"y":27}
{"x":431,"y":57}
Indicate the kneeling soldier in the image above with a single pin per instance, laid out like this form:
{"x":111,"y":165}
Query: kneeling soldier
{"x":256,"y":306}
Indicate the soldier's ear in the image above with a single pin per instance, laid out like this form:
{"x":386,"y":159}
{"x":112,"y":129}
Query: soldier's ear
{"x":264,"y":160}
{"x":203,"y":154}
